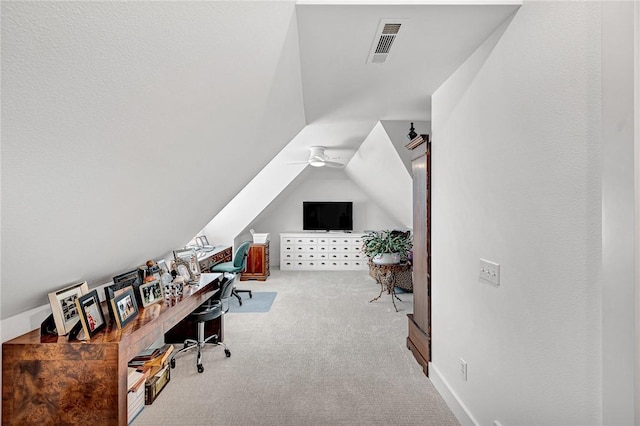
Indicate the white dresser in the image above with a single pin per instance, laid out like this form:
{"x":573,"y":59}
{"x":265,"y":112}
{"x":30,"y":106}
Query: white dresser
{"x":307,"y":251}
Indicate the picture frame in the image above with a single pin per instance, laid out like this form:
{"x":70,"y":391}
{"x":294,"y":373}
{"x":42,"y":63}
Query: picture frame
{"x":113,"y":290}
{"x":131,"y":278}
{"x":202,"y":241}
{"x":164,"y":268}
{"x":181,"y":266}
{"x":63,"y":306}
{"x":125,"y":307}
{"x":91,"y":315}
{"x":151,"y":292}
{"x":190,"y":256}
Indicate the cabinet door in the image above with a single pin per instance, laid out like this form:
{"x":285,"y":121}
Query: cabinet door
{"x":256,"y":259}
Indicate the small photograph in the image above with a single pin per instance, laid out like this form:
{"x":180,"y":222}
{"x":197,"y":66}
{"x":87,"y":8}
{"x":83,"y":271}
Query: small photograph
{"x":64,"y":308}
{"x":151,"y":293}
{"x":90,"y":313}
{"x":125,"y":307}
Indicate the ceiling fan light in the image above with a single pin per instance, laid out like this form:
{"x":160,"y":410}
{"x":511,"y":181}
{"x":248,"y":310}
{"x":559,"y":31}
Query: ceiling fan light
{"x":316,"y":163}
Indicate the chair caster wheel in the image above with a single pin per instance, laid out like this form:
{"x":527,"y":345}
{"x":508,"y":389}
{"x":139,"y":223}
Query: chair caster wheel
{"x":173,"y":363}
{"x":227,"y":352}
{"x":250,"y":296}
{"x":240,"y":302}
{"x":200,"y":368}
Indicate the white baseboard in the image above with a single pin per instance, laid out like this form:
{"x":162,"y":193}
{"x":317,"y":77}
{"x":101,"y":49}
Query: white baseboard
{"x":451,"y":398}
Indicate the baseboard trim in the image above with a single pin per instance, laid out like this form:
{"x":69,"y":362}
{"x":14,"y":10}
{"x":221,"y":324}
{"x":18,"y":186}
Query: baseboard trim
{"x":451,"y":398}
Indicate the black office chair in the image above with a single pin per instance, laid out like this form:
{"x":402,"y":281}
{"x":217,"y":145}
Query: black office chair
{"x":236,"y":266}
{"x":216,"y":306}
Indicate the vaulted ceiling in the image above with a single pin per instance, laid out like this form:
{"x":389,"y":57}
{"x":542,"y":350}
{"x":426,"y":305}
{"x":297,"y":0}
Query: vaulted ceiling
{"x":127,"y":126}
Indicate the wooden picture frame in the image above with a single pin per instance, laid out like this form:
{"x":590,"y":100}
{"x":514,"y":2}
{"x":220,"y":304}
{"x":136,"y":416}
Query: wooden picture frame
{"x":63,"y":306}
{"x":125,"y":307}
{"x":113,"y":290}
{"x":91,"y":315}
{"x":151,"y":292}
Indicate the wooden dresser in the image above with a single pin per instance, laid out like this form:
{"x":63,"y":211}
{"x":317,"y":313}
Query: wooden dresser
{"x":48,"y":380}
{"x":257,"y":263}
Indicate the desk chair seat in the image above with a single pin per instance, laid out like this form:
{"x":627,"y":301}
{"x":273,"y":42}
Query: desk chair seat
{"x":216,"y":306}
{"x":236,"y":266}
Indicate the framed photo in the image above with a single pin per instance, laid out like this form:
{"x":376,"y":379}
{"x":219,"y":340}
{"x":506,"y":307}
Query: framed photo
{"x":63,"y":306}
{"x":164,"y":268}
{"x":132,"y":278}
{"x":113,"y":290}
{"x":151,"y":293}
{"x":124,"y":307}
{"x":202,"y":241}
{"x":181,"y":266}
{"x":91,"y":315}
{"x":190,"y":256}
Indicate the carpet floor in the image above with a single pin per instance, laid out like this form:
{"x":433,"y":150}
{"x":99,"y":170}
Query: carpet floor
{"x":322,"y":355}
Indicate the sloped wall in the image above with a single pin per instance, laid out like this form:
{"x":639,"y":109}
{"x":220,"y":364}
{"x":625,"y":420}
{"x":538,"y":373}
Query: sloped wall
{"x":123,"y":127}
{"x":516,"y":180}
{"x":378,"y":169}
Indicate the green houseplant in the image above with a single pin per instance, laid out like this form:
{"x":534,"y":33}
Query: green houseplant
{"x":387,"y":247}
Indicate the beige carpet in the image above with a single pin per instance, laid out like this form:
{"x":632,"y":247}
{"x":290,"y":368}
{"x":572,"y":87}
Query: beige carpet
{"x":323,"y":355}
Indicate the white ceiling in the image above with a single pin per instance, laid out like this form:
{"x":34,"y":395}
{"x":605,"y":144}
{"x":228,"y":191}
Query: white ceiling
{"x":127,"y":126}
{"x":433,"y":41}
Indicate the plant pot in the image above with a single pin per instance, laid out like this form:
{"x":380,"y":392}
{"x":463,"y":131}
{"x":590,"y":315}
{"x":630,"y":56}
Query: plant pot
{"x":386,"y":259}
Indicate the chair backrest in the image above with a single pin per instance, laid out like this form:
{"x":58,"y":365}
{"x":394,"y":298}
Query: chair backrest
{"x":240,"y":258}
{"x":226,"y":288}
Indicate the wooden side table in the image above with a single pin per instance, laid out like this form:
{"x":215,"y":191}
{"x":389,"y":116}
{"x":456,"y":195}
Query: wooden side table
{"x":388,"y":276}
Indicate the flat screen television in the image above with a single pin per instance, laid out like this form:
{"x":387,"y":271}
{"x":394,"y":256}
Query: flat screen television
{"x":327,"y":215}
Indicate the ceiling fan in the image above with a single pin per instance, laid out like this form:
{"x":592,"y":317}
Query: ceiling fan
{"x":317,"y":158}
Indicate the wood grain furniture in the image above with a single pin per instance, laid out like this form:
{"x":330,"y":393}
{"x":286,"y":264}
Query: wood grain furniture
{"x":389,"y":276}
{"x":257,"y":263}
{"x":329,"y":251}
{"x":48,"y":380}
{"x":219,"y":254}
{"x":419,"y":339}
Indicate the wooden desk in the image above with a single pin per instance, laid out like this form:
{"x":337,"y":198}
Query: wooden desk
{"x":219,"y":254}
{"x":48,"y":380}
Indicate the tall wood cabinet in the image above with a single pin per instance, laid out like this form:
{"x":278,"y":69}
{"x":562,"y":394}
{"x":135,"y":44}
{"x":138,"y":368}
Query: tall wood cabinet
{"x":419,"y":339}
{"x":257,"y":263}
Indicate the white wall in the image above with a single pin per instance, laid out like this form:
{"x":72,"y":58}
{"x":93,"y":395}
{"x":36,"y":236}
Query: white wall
{"x":378,"y":169}
{"x":318,"y":184}
{"x":123,"y":124}
{"x":618,"y":314}
{"x":517,"y":180}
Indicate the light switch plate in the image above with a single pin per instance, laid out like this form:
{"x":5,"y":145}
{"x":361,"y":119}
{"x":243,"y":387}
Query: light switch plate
{"x":490,"y":271}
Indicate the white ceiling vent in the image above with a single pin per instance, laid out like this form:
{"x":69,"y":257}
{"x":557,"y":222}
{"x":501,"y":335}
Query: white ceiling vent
{"x":385,"y":37}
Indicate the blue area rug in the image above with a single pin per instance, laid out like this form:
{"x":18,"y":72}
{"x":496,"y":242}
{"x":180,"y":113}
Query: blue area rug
{"x":260,"y":302}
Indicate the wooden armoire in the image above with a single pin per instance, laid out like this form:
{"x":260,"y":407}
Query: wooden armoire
{"x":419,"y":339}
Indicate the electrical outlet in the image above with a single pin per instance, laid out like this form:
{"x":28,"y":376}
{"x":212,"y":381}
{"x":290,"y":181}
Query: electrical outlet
{"x":463,"y":369}
{"x":490,"y":271}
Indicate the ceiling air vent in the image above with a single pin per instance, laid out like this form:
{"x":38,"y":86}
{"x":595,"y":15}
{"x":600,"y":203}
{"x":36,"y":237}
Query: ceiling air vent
{"x":385,"y":36}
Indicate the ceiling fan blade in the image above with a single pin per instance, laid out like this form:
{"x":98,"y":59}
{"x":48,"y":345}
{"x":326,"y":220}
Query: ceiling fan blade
{"x":334,"y":164}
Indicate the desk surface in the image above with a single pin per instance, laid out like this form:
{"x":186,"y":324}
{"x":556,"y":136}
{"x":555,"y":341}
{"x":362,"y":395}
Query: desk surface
{"x":85,"y":382}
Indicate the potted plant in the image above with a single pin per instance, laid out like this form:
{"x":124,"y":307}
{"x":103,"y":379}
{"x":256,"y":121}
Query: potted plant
{"x":387,"y":247}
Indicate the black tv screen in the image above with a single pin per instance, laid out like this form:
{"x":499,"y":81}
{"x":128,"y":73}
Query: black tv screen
{"x":327,"y":215}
